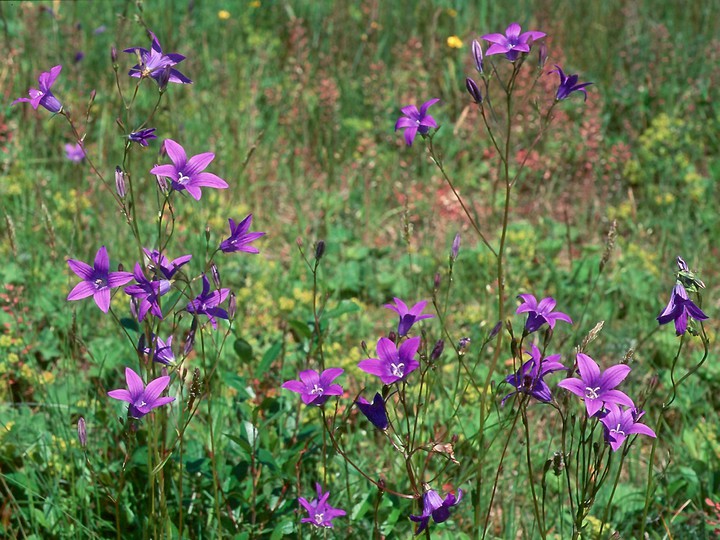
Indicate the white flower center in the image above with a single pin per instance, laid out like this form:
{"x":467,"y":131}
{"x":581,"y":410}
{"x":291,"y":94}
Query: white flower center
{"x":592,"y":393}
{"x":182,"y":179}
{"x":317,"y":390}
{"x":99,"y":283}
{"x":142,"y":404}
{"x":618,"y":431}
{"x":398,"y":370}
{"x":319,"y":518}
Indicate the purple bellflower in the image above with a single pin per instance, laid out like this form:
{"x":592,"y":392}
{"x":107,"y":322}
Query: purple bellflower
{"x":620,"y":424}
{"x":408,"y":317}
{"x":679,"y":308}
{"x":74,"y":152}
{"x":206,"y":303}
{"x":187,"y":174}
{"x":43,"y":97}
{"x":240,"y":237}
{"x":142,"y":136}
{"x":568,"y":85}
{"x":597,"y":389}
{"x":540,"y":313}
{"x":315,"y":388}
{"x":160,"y":262}
{"x":154,"y":64}
{"x":394,"y":364}
{"x":512,"y":43}
{"x":147,"y":293}
{"x":414,"y":121}
{"x":435,"y":507}
{"x":320,"y":512}
{"x":97,"y":280}
{"x":162,"y":354}
{"x":142,"y":399}
{"x":529,"y":378}
{"x":375,"y":411}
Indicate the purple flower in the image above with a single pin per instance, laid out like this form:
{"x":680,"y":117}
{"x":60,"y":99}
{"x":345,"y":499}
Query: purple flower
{"x":408,"y":317}
{"x":163,"y":353}
{"x":186,"y":174}
{"x":206,"y":303}
{"x":320,"y":512}
{"x":240,"y":238}
{"x":43,"y":97}
{"x":529,"y":378}
{"x":414,"y":121}
{"x":619,"y":424}
{"x":142,"y":399}
{"x":597,"y":389}
{"x":147,"y":293}
{"x":679,"y":308}
{"x":568,"y":85}
{"x":74,"y":152}
{"x":512,"y":43}
{"x":143,"y":136}
{"x":97,"y":280}
{"x":315,"y":388}
{"x":435,"y":507}
{"x":540,"y":313}
{"x":153,"y":64}
{"x":375,"y":411}
{"x":160,"y":262}
{"x":394,"y":364}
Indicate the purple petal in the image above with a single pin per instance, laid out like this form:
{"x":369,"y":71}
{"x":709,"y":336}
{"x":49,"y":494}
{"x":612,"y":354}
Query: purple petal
{"x":116,"y":279}
{"x":309,"y":378}
{"x":374,"y":366}
{"x":425,"y":106}
{"x":209,"y":180}
{"x":386,"y":350}
{"x":121,"y":394}
{"x":513,"y":30}
{"x":155,"y":388}
{"x":576,"y":386}
{"x":329,"y":375}
{"x":410,"y":135}
{"x":176,"y":153}
{"x":102,"y":261}
{"x":618,"y":397}
{"x":408,"y":348}
{"x":198,"y":163}
{"x":102,"y":299}
{"x":410,"y":111}
{"x":134,"y":382}
{"x":294,"y":386}
{"x":613,"y":376}
{"x":167,"y":170}
{"x":82,"y":290}
{"x":641,"y":429}
{"x":81,"y":268}
{"x":589,"y":370}
{"x":494,"y":38}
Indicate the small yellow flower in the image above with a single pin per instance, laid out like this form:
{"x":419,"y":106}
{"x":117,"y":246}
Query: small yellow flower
{"x":452,"y":12}
{"x":223,"y":15}
{"x":454,"y":42}
{"x":255,"y":3}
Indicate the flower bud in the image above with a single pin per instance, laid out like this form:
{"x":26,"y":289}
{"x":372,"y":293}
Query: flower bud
{"x":164,"y":78}
{"x":82,"y":432}
{"x":120,"y":182}
{"x":436,"y":281}
{"x":232,"y":305}
{"x":542,"y":55}
{"x":162,"y":183}
{"x":113,"y":56}
{"x":437,"y":349}
{"x":473,"y":90}
{"x":455,"y":247}
{"x":495,"y":330}
{"x":215,"y":275}
{"x":477,"y":55}
{"x":319,"y":249}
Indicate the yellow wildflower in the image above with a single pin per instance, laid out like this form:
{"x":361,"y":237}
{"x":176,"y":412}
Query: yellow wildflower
{"x":454,"y":42}
{"x":223,"y":15}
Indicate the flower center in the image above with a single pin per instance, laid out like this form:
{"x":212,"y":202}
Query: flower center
{"x":398,"y":370}
{"x":142,"y":404}
{"x":618,"y":431}
{"x":591,"y":393}
{"x":527,"y":382}
{"x":317,"y":390}
{"x":182,"y":179}
{"x":319,"y":518}
{"x":99,"y":283}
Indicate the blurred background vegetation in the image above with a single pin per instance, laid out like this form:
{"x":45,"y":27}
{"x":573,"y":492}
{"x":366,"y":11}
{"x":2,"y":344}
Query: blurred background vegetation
{"x":298,"y":101}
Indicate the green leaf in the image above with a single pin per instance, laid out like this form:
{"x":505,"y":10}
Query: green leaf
{"x":268,"y":358}
{"x":243,"y":349}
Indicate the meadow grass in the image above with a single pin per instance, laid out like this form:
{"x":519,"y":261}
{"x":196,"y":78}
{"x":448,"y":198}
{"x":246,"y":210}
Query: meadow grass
{"x":298,"y":100}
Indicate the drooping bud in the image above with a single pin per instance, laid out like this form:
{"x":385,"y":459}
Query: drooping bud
{"x":164,"y":78}
{"x":477,"y":55}
{"x":473,"y":90}
{"x":120,"y":182}
{"x":319,"y":249}
{"x":437,"y":350}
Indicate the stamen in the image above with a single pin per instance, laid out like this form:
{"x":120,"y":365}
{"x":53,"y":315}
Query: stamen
{"x":398,"y":370}
{"x":592,"y":393}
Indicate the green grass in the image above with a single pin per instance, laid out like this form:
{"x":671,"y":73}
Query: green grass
{"x":298,"y":101}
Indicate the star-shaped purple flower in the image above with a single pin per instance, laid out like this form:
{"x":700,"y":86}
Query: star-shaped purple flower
{"x":540,"y":313}
{"x":620,"y":424}
{"x":435,"y":507}
{"x":512,"y":43}
{"x":394,"y":364}
{"x":597,"y":389}
{"x":529,"y":378}
{"x":142,"y":399}
{"x":375,"y":411}
{"x":408,"y":317}
{"x":154,"y":63}
{"x":316,"y":388}
{"x":414,"y":121}
{"x":206,"y":303}
{"x":97,"y":280}
{"x":679,"y":309}
{"x":74,"y":152}
{"x":147,"y":293}
{"x":162,"y":354}
{"x":43,"y":97}
{"x":240,"y":237}
{"x":186,"y":174}
{"x":143,"y":136}
{"x":568,"y":84}
{"x":320,"y":512}
{"x":160,"y":262}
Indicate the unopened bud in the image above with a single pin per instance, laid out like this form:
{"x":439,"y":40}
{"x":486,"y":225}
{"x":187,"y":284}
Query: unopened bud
{"x":319,"y":249}
{"x":232,"y":305}
{"x":162,"y":183}
{"x":436,"y":281}
{"x":207,"y":233}
{"x":120,"y":182}
{"x":437,"y":349}
{"x":392,"y":336}
{"x":164,"y":78}
{"x":113,"y":56}
{"x":477,"y":55}
{"x":495,"y":330}
{"x":542,"y":55}
{"x":215,"y":273}
{"x":455,"y":247}
{"x":473,"y":90}
{"x":190,"y":340}
{"x":82,"y":432}
{"x":363,"y":346}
